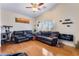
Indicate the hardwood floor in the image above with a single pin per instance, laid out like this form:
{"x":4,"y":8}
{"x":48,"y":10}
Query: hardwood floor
{"x":65,"y":51}
{"x":0,"y":49}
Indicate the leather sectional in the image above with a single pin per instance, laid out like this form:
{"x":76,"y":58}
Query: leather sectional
{"x":50,"y":38}
{"x":20,"y":36}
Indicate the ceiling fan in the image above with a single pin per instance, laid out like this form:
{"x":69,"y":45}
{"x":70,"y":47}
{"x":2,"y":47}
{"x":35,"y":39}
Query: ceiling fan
{"x":36,"y":6}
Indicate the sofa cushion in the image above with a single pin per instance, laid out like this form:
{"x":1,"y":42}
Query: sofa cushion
{"x":46,"y":33}
{"x":18,"y":32}
{"x":28,"y":31}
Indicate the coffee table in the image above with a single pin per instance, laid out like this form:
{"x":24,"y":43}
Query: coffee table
{"x":36,"y":51}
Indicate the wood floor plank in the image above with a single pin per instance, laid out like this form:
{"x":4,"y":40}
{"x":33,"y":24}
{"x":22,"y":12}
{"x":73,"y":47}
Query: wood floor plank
{"x":65,"y":51}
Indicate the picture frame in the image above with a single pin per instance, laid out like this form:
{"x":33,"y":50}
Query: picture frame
{"x":22,"y":20}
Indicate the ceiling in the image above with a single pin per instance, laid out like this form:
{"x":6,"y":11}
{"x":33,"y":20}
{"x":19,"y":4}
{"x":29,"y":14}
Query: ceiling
{"x":21,"y":8}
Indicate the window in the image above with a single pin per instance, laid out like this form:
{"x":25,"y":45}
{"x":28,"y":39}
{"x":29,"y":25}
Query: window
{"x":45,"y":25}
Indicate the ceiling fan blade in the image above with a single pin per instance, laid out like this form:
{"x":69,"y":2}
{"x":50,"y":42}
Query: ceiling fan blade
{"x":28,"y":7}
{"x":41,"y":4}
{"x":42,"y":8}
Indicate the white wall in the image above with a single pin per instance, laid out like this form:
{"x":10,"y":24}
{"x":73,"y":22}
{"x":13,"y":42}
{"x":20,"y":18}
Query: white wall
{"x":0,"y":27}
{"x":62,"y":12}
{"x":8,"y":18}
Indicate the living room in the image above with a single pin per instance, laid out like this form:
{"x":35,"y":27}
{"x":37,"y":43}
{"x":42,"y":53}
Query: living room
{"x":51,"y":29}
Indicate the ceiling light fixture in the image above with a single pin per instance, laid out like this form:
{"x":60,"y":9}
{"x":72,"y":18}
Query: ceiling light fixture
{"x":36,"y":6}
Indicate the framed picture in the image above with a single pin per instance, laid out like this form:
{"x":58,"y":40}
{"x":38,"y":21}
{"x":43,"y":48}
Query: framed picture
{"x":22,"y":20}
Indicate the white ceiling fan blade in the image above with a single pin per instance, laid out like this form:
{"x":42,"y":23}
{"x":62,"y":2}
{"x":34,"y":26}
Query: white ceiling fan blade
{"x":28,"y":7}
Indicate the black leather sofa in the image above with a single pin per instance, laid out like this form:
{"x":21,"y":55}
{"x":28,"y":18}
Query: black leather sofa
{"x":15,"y":54}
{"x":67,"y":37}
{"x":50,"y":38}
{"x":20,"y":36}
